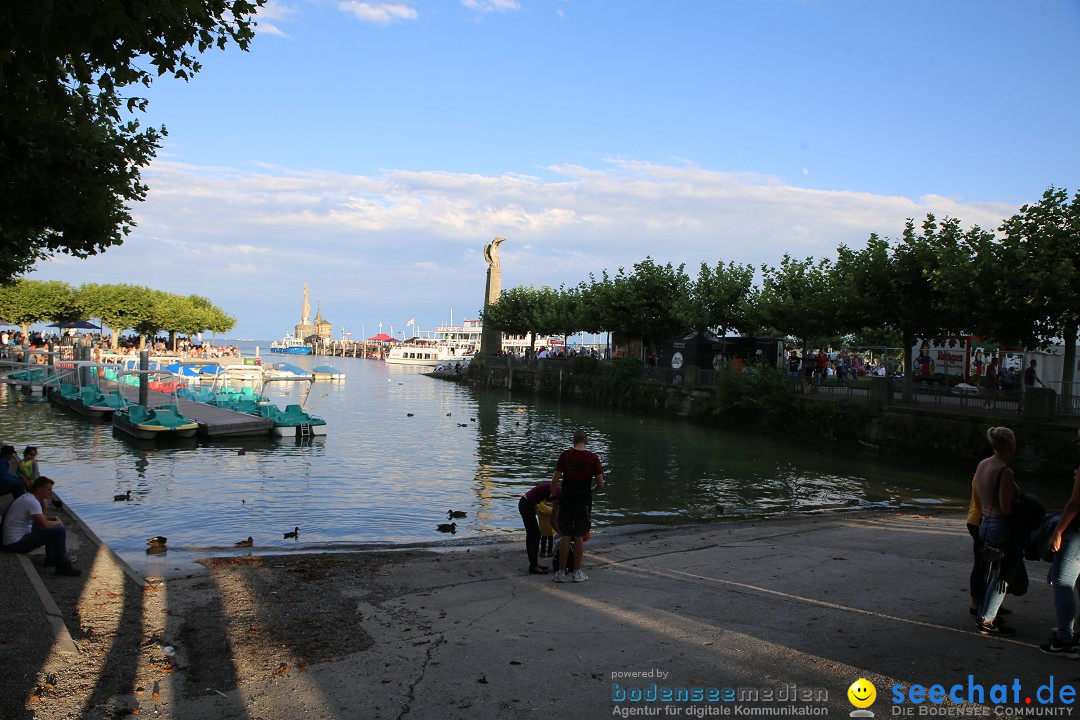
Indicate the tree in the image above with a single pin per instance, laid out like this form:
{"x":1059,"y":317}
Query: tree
{"x":652,"y":302}
{"x":797,"y":299}
{"x":71,"y":147}
{"x":719,"y":296}
{"x":1042,"y":241}
{"x":26,"y":302}
{"x":924,"y":264}
{"x":516,"y":312}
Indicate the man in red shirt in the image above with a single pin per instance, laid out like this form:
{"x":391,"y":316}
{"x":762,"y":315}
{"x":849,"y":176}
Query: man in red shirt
{"x":821,"y":362}
{"x":576,"y":467}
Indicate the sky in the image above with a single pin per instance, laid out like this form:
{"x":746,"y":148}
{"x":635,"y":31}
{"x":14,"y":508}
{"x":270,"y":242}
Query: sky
{"x":372,"y":149}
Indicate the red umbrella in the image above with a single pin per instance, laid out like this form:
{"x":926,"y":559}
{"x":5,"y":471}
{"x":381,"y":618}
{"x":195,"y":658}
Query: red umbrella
{"x":381,"y":337}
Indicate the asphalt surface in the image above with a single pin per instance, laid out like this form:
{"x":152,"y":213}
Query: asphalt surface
{"x":790,"y":611}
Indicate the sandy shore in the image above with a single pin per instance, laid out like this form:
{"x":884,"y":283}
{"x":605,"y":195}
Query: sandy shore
{"x":813,"y":602}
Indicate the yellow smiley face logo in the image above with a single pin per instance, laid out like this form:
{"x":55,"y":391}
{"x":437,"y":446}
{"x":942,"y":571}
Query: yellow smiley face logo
{"x":862,"y":693}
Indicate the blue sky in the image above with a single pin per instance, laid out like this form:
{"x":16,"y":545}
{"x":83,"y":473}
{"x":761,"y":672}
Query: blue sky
{"x":372,"y":149}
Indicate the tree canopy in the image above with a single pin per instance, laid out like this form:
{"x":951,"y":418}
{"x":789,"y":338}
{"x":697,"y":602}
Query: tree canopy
{"x":71,"y":145}
{"x":1019,"y":288}
{"x":26,"y":302}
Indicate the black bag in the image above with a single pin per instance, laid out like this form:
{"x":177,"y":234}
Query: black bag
{"x":1027,"y":512}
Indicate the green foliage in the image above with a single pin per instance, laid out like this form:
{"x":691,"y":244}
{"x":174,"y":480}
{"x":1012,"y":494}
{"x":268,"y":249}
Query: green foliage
{"x":797,"y":300}
{"x":584,"y":365}
{"x":757,"y":388}
{"x":26,"y":302}
{"x":71,"y":145}
{"x":719,"y":296}
{"x":620,"y":379}
{"x":1042,"y":247}
{"x":1021,"y":289}
{"x":147,"y":311}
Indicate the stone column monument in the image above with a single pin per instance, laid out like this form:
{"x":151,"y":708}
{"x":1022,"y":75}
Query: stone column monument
{"x":491,"y":340}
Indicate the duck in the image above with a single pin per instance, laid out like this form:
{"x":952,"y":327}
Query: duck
{"x":447,"y":527}
{"x":449,"y":414}
{"x":294,"y":534}
{"x":472,"y":419}
{"x":120,"y":498}
{"x":463,"y":424}
{"x":245,"y":543}
{"x":456,"y":513}
{"x":241,"y":452}
{"x":157,"y":541}
{"x":408,"y":414}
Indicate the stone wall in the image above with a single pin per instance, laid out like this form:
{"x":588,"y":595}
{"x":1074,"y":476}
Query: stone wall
{"x":876,"y":426}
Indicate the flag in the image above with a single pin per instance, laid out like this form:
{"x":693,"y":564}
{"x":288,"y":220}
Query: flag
{"x":412,"y":321}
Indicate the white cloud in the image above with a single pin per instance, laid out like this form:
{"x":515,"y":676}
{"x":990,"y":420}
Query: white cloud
{"x":491,"y":5}
{"x":269,"y":14}
{"x":408,"y":241}
{"x":380,"y":13}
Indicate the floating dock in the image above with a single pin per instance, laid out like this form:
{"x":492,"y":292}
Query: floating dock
{"x":214,"y":422}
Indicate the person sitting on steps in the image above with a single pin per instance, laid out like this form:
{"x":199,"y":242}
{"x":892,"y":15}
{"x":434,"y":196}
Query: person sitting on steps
{"x":26,"y":528}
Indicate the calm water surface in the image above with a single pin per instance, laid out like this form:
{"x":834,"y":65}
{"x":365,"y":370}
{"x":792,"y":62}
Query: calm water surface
{"x":381,"y":476}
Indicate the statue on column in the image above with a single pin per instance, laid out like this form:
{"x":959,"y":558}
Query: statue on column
{"x":491,"y":252}
{"x":305,"y":313}
{"x":491,"y":339}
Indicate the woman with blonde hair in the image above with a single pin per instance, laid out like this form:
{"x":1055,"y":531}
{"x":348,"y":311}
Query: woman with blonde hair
{"x":996,"y":486}
{"x":1065,"y":542}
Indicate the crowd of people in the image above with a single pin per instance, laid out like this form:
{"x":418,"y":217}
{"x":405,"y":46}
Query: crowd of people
{"x":26,"y":524}
{"x":544,"y":352}
{"x":1008,"y":526}
{"x":12,"y":343}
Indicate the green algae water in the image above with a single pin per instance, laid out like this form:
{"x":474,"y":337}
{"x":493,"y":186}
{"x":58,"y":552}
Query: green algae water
{"x":403,"y":449}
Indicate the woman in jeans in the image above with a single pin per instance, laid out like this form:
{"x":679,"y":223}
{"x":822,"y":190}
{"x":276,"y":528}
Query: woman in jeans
{"x":994,"y":482}
{"x":1065,"y":542}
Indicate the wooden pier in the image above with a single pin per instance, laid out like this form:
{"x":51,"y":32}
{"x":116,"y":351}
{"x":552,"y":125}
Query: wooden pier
{"x":346,"y":348}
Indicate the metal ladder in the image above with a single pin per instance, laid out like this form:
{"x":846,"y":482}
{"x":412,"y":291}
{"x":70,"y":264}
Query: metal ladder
{"x":304,"y":430}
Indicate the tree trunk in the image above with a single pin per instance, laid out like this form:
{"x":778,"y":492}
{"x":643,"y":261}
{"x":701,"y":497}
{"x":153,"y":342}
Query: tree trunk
{"x":1069,"y":371}
{"x":909,"y":371}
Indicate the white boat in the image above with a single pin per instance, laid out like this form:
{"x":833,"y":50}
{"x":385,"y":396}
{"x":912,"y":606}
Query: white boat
{"x":428,"y":351}
{"x":468,"y":336}
{"x":325,"y":372}
{"x":290,"y":345}
{"x":456,"y":344}
{"x":285,"y":370}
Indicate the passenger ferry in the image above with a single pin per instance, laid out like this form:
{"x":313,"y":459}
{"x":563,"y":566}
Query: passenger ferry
{"x":428,"y":351}
{"x":456,"y":343}
{"x":290,"y":345}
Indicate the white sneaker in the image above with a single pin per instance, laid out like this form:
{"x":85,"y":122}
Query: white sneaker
{"x":579,"y":576}
{"x":559,"y":576}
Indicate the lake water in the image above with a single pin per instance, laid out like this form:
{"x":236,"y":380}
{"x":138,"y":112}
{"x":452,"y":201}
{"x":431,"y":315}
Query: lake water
{"x":382,"y":477}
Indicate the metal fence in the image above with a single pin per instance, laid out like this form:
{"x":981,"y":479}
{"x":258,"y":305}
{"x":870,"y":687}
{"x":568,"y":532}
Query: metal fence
{"x":967,"y":401}
{"x":840,"y":391}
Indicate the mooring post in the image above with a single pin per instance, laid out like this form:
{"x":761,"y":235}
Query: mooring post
{"x":144,"y":379}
